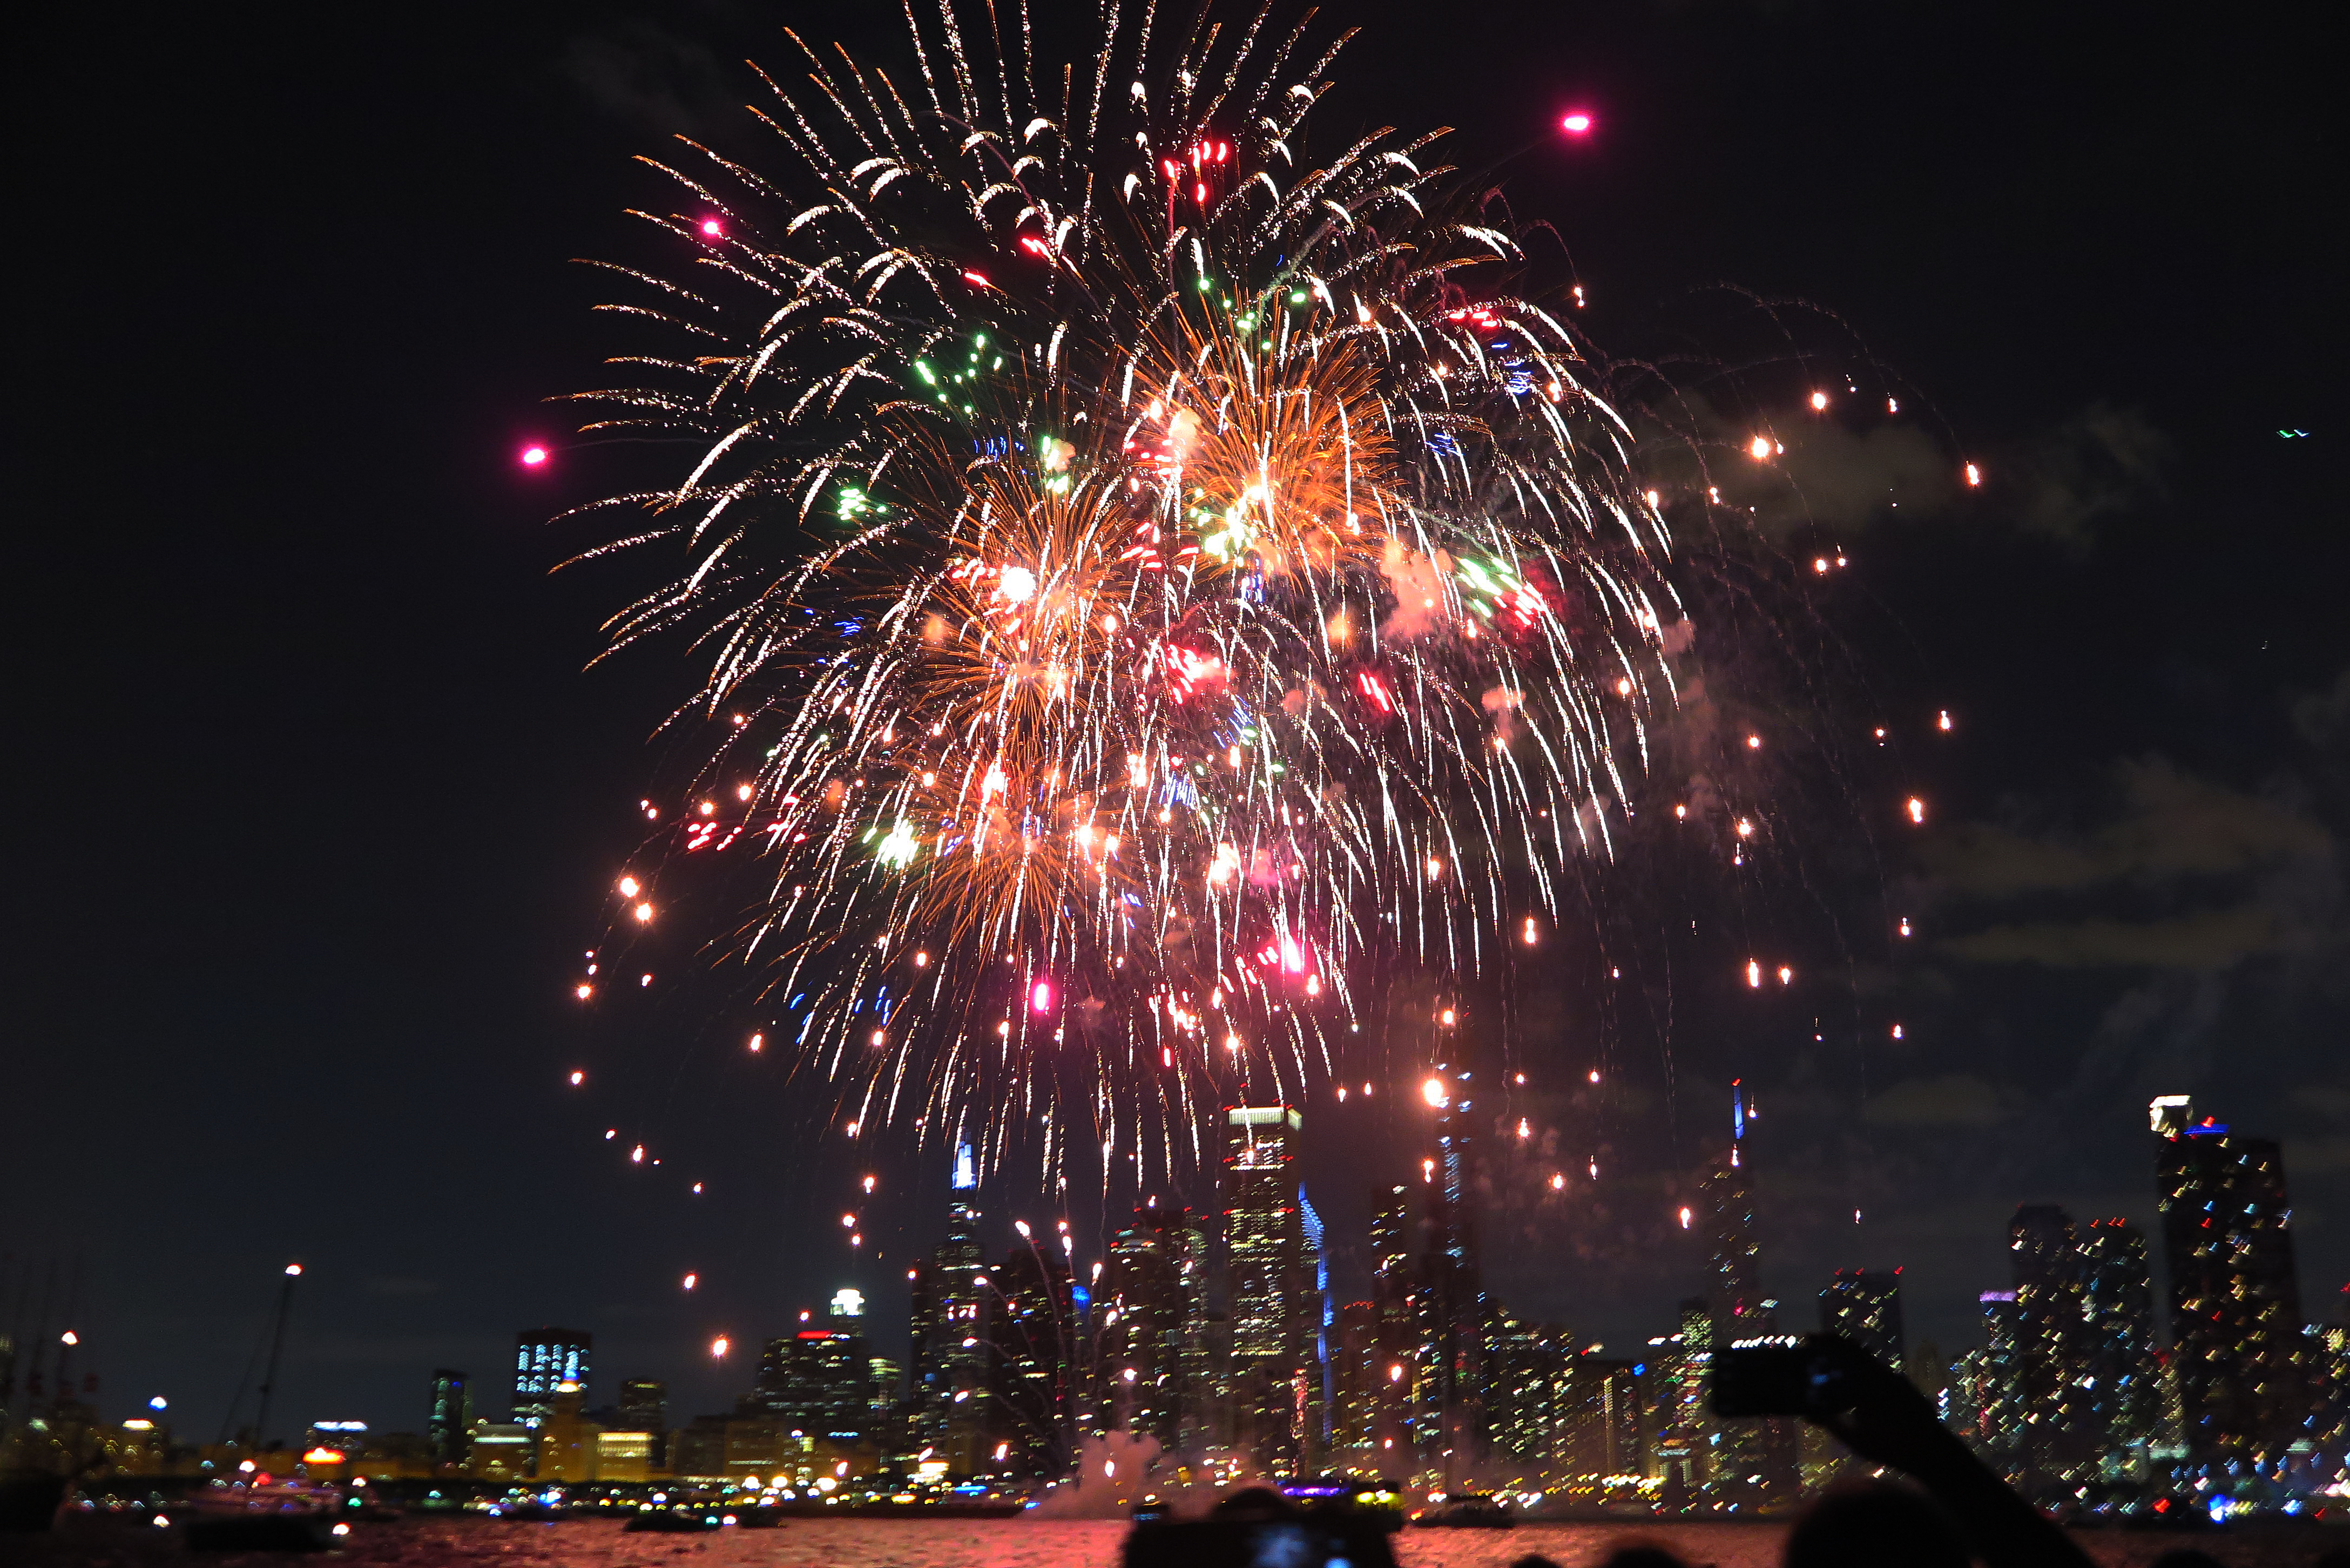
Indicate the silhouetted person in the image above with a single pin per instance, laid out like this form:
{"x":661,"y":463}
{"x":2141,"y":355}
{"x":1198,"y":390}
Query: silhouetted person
{"x":1891,"y":1423}
{"x":1641,"y":1555}
{"x":1867,"y":1526}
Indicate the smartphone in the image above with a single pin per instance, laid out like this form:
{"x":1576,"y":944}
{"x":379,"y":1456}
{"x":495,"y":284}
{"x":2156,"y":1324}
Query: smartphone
{"x":1778,"y":1376}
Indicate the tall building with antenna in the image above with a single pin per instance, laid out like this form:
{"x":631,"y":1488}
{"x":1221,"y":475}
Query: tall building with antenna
{"x":1454,"y":1312}
{"x":1726,"y":1200}
{"x":1752,"y":1461}
{"x":953,"y":1348}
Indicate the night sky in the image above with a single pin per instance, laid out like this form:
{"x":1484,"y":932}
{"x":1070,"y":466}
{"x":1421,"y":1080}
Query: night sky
{"x":317,"y":807}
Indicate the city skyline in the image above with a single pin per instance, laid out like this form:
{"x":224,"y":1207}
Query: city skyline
{"x":1222,"y":1344}
{"x":1722,"y":1223}
{"x":329,"y":813}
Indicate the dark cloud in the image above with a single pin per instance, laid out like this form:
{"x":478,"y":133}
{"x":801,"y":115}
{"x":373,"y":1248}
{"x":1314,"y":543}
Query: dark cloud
{"x":2209,"y":940}
{"x":2323,"y":718}
{"x":2103,"y":462}
{"x":641,"y":72}
{"x":1953,"y":1100}
{"x":2171,"y":824}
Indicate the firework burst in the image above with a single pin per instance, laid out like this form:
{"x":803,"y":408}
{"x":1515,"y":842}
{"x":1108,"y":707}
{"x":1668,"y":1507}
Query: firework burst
{"x":1147,"y":579}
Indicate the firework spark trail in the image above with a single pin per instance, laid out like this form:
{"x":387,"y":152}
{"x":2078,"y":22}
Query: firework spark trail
{"x":1146,"y":581}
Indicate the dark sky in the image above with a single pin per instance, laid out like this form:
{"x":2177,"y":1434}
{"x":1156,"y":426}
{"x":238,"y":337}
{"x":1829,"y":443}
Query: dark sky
{"x":316,"y":806}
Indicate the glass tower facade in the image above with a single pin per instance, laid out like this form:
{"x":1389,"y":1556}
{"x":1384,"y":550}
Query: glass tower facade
{"x":1864,"y":1306}
{"x":1268,"y":1286}
{"x":545,"y":1359}
{"x":2235,"y":1303}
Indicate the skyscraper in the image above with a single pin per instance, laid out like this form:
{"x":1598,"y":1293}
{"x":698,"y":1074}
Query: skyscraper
{"x":1684,"y":1436}
{"x":1453,"y":1309}
{"x":1989,"y":1388}
{"x":954,"y":1350}
{"x":2124,"y":1387}
{"x":1037,"y":1337}
{"x":1357,"y":1370}
{"x":449,"y":1425}
{"x":1199,"y":1417}
{"x":2235,"y":1303}
{"x":1323,"y":1306}
{"x":1527,"y":1395}
{"x":545,"y":1359}
{"x":1753,"y":1461}
{"x":644,"y":1405}
{"x":1395,"y":1297}
{"x":1599,"y":1419}
{"x":1864,"y":1306}
{"x":1267,"y":1285}
{"x":818,"y":1381}
{"x":1141,"y":1304}
{"x":2061,"y":1443}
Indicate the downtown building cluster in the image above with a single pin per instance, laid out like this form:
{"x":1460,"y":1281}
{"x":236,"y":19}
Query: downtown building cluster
{"x":2076,"y":1391}
{"x":1204,"y":1346}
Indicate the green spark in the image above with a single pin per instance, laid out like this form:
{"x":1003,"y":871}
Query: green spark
{"x":900,"y":848}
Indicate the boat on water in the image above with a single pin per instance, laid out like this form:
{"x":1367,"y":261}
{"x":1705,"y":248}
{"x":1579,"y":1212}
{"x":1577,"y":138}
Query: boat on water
{"x":529,"y":1509}
{"x":1378,"y":1503}
{"x":676,"y":1520}
{"x":263,"y":1516}
{"x":1466,"y":1510}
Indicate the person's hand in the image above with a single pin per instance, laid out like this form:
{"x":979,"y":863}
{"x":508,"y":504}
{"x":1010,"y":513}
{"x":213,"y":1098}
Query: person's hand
{"x":1890,"y":1421}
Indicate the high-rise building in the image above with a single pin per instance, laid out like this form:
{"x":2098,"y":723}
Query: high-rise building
{"x":644,"y":1405}
{"x":818,"y":1381}
{"x":1726,"y":1200}
{"x":1864,"y":1306}
{"x":1683,"y":1434}
{"x":1526,"y":1398}
{"x":2329,"y":1350}
{"x":1357,"y":1370}
{"x":1037,"y":1340}
{"x":1199,"y":1416}
{"x":2061,"y":1444}
{"x":1453,"y":1308}
{"x":545,"y":1359}
{"x":1320,"y":1393}
{"x":449,"y":1425}
{"x":1268,"y":1286}
{"x":1753,"y":1462}
{"x":954,"y":1415}
{"x":1141,"y":1308}
{"x":1989,"y":1388}
{"x":2235,"y":1303}
{"x":2125,"y":1385}
{"x":1599,"y":1419}
{"x":1396,"y":1294}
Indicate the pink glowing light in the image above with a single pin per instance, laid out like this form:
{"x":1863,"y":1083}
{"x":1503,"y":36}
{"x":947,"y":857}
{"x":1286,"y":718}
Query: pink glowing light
{"x":1576,"y":124}
{"x":1040,"y":998}
{"x":711,"y":229}
{"x":534,"y":456}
